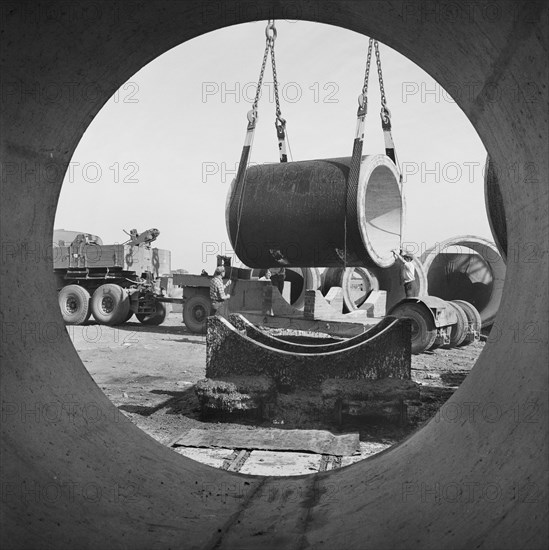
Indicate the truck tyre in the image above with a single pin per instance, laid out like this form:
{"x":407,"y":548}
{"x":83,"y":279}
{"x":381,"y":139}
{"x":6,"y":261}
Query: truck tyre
{"x":458,"y":331}
{"x":196,"y":312}
{"x":153,"y":319}
{"x":110,"y":304}
{"x":423,"y":327}
{"x":74,"y":302}
{"x":473,"y":318}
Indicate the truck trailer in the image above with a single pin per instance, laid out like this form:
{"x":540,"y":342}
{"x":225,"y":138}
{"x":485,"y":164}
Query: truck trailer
{"x":111,"y":282}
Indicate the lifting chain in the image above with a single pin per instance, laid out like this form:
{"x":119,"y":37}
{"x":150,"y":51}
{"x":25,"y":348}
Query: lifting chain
{"x":363,"y":97}
{"x":385,"y":113}
{"x":280,"y":123}
{"x":270,"y":33}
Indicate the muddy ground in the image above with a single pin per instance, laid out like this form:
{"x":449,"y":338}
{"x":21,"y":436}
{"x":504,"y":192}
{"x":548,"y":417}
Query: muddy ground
{"x":149,"y":374}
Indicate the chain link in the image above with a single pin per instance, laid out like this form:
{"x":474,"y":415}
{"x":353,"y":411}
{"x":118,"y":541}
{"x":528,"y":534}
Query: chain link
{"x":270,"y":33}
{"x":380,"y":76}
{"x":260,"y":81}
{"x":275,"y":83}
{"x":367,"y":72}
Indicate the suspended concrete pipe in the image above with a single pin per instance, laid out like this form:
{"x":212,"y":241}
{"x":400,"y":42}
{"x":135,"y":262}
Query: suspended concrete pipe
{"x":358,"y":282}
{"x":300,"y":280}
{"x":467,"y":268}
{"x":295,"y":213}
{"x":464,"y":480}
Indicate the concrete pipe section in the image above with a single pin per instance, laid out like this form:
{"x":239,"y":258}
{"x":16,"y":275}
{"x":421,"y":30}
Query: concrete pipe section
{"x":294,"y":214}
{"x":77,"y":474}
{"x":467,"y":268}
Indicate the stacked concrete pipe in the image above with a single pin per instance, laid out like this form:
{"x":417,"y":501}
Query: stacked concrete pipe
{"x":467,"y":268}
{"x":475,"y":476}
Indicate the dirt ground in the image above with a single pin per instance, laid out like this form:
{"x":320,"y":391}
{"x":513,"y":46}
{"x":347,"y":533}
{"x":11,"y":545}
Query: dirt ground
{"x":149,"y":374}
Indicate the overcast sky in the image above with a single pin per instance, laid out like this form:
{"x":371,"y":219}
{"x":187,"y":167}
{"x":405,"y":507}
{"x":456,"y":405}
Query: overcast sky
{"x":163,"y":151}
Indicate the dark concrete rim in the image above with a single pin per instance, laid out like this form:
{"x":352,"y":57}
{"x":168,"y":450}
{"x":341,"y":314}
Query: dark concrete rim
{"x":186,"y":504}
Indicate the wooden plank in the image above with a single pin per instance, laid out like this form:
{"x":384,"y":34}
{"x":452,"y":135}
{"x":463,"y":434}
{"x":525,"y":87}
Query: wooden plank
{"x":313,"y":441}
{"x":239,"y":461}
{"x":272,"y":463}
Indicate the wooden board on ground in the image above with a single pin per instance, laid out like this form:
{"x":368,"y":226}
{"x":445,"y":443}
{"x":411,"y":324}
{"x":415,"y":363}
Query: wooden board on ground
{"x":312,"y":441}
{"x":272,"y":463}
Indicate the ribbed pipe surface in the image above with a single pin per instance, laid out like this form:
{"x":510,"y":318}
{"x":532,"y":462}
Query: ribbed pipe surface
{"x":296,"y":214}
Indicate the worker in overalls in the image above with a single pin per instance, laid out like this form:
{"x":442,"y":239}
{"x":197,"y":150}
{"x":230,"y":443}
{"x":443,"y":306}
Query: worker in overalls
{"x":407,"y":272}
{"x":218,"y":297}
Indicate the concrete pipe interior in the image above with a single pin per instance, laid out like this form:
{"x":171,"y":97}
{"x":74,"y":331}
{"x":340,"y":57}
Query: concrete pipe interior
{"x":467,"y":268}
{"x":465,"y":480}
{"x":380,"y":213}
{"x":301,"y":213}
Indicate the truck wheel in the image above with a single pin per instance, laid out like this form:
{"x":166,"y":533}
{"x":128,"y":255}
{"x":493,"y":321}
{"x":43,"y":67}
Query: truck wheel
{"x":458,"y":332}
{"x":110,"y":304}
{"x":423,"y":328}
{"x":153,"y":319}
{"x":195,"y":313}
{"x":473,"y":318}
{"x":74,"y":302}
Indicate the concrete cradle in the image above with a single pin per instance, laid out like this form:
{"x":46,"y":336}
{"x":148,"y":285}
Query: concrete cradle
{"x":230,"y":353}
{"x":251,"y":331}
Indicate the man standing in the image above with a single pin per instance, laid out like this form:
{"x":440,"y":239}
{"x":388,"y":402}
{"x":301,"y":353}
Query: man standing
{"x":278,"y":275}
{"x":407,"y":272}
{"x":217,"y":291}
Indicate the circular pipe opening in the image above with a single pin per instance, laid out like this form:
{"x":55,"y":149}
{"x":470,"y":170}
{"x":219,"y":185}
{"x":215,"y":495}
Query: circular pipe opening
{"x":380,"y":209}
{"x":467,"y":268}
{"x":100,"y":448}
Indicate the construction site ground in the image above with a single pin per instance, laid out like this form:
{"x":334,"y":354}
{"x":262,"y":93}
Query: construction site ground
{"x":149,"y":374}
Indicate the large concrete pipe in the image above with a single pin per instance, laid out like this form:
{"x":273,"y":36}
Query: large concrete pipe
{"x":476,"y":476}
{"x":467,"y":268}
{"x":296,"y":212}
{"x":358,"y":282}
